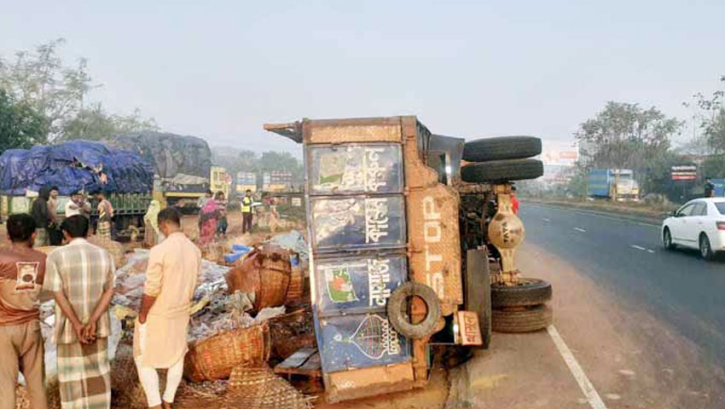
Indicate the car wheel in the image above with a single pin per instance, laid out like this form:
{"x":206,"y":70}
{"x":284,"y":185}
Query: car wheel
{"x":667,"y":240}
{"x":705,"y":248}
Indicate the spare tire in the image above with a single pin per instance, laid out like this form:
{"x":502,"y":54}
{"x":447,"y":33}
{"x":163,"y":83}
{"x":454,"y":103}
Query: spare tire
{"x":531,"y":291}
{"x":501,"y":148}
{"x":399,"y":319}
{"x":529,"y":319}
{"x":502,"y":171}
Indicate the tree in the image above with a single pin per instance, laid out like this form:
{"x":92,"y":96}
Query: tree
{"x":625,"y":136}
{"x":20,"y":125}
{"x":95,"y":124}
{"x":39,"y":78}
{"x":59,"y":92}
{"x":713,"y":118}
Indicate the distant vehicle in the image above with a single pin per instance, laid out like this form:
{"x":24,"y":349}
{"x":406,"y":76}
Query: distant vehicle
{"x":699,"y":224}
{"x":220,"y":181}
{"x":246,"y":181}
{"x":613,"y":184}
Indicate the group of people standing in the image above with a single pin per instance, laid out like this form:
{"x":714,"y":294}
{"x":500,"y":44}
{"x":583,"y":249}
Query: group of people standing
{"x":47,"y":220}
{"x":81,"y":278}
{"x":213,"y":216}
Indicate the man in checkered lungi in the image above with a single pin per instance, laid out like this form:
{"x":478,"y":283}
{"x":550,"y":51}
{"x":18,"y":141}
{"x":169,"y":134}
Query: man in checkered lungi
{"x":105,"y":215}
{"x":81,"y":277}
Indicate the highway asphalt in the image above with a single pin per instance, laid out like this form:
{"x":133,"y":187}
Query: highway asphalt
{"x":627,"y":258}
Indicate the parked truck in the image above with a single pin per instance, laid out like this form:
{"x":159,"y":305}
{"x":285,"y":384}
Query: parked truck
{"x":246,"y":181}
{"x":125,"y":177}
{"x":181,"y":164}
{"x":409,"y":247}
{"x":613,"y":184}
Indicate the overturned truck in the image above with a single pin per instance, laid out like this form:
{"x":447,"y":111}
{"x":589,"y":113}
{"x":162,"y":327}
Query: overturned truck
{"x":409,"y":247}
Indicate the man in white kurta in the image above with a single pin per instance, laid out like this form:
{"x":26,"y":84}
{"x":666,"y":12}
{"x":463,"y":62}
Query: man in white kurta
{"x":160,"y":335}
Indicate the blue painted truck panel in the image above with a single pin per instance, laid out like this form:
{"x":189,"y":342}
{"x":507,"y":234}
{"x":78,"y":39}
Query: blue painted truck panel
{"x":358,"y":235}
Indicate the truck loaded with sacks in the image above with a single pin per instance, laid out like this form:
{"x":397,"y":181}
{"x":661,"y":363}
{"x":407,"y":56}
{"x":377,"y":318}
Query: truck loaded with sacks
{"x":412,"y":241}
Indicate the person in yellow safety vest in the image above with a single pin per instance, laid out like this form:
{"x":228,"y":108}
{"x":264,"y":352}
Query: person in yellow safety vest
{"x":247,"y":215}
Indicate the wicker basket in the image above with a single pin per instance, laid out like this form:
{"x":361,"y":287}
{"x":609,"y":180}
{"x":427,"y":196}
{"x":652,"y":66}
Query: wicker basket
{"x":260,"y":388}
{"x":296,"y":289}
{"x":266,"y":272}
{"x":215,"y":357}
{"x":290,"y":332}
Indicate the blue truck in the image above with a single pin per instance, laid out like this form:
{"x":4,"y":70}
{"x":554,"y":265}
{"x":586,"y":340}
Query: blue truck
{"x":612,"y":184}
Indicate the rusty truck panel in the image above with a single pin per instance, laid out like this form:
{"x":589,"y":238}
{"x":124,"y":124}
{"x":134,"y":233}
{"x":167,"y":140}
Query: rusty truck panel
{"x":365,"y":130}
{"x":366,"y":382}
{"x":433,"y":234}
{"x":373,"y":200}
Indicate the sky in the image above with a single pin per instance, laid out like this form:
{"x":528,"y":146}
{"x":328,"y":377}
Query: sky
{"x":221,"y":69}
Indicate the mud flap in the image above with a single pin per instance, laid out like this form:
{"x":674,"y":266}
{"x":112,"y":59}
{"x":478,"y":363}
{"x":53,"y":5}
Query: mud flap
{"x":477,"y":287}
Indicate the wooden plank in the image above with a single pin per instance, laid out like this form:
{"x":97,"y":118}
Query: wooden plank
{"x":297,"y":359}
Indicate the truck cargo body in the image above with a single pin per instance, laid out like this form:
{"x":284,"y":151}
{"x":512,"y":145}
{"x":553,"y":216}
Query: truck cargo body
{"x":84,"y":166}
{"x":613,"y":184}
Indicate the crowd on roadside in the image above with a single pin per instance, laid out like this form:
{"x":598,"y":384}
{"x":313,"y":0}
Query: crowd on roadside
{"x":80,"y":277}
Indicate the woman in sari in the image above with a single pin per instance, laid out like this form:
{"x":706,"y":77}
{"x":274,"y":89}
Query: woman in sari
{"x":208,"y":220}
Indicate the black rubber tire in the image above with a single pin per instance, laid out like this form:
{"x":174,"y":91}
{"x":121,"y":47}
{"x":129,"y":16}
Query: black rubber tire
{"x":502,"y":171}
{"x":501,"y":148}
{"x":530,"y":319}
{"x":478,"y":291}
{"x":399,"y":319}
{"x":532,"y":292}
{"x":667,"y":239}
{"x":706,"y":248}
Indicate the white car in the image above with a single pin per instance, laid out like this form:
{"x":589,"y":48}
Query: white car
{"x":699,"y":224}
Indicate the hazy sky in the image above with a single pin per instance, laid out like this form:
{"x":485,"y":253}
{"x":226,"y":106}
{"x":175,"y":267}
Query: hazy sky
{"x":220,"y":69}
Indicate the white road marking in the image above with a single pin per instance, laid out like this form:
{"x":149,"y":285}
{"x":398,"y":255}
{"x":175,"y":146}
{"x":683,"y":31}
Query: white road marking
{"x":580,"y":229}
{"x":650,"y":251}
{"x":595,"y":401}
{"x":638,"y":248}
{"x":546,"y":220}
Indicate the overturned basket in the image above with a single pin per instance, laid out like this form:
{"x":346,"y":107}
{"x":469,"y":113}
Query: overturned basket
{"x":214,"y":358}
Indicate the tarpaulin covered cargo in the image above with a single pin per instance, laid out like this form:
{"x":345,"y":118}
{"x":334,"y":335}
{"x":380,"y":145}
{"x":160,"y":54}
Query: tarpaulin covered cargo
{"x":72,"y":166}
{"x":169,"y":154}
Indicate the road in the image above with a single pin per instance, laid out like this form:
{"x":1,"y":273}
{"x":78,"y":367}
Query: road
{"x":627,"y":257}
{"x":635,"y":326}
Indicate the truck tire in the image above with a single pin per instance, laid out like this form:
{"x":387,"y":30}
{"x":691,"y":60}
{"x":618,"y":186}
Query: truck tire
{"x":478,"y":291}
{"x":399,"y":319}
{"x":501,"y":148}
{"x":502,"y":171}
{"x":532,"y":291}
{"x":529,"y":319}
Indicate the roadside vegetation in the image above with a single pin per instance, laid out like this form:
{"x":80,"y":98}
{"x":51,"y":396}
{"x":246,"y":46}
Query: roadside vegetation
{"x":629,"y":136}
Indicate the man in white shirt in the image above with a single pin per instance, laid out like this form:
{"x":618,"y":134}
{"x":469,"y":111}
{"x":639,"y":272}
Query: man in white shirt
{"x":77,"y":206}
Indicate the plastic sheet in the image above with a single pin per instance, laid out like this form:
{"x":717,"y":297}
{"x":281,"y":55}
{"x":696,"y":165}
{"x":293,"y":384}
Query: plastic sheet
{"x":72,"y":166}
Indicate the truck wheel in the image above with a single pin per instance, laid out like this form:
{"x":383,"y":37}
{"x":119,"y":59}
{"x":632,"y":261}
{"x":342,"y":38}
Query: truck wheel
{"x":501,"y":148}
{"x":478,"y":291}
{"x":399,"y":319}
{"x":502,"y":171}
{"x":529,"y":319}
{"x":532,"y":291}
